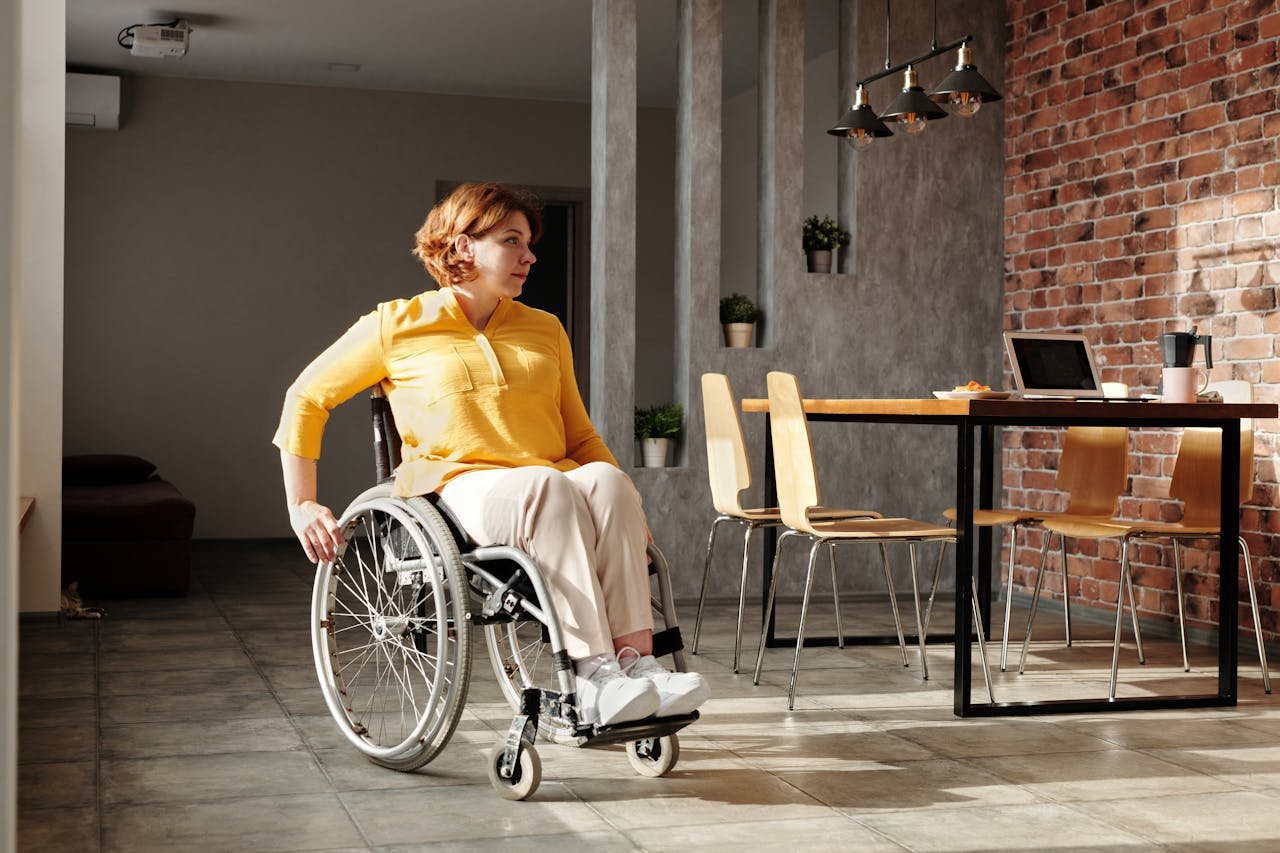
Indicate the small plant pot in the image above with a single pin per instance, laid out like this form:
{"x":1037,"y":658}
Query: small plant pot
{"x":654,"y":452}
{"x":820,"y":260}
{"x":739,"y":335}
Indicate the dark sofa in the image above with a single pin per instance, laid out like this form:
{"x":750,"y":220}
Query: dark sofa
{"x":125,"y":531}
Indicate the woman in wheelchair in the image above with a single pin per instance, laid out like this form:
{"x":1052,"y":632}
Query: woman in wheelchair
{"x":483,"y":392}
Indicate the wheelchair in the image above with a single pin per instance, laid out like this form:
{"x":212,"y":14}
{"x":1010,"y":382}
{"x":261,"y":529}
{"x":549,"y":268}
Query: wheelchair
{"x":392,"y":622}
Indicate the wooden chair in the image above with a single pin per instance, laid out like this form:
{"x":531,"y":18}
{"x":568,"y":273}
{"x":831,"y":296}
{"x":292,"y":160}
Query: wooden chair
{"x":798,"y":499}
{"x":1093,"y":471}
{"x":1195,"y":483}
{"x":730,"y":474}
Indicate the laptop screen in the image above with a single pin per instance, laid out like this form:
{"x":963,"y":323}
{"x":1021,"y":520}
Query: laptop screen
{"x":1050,"y":364}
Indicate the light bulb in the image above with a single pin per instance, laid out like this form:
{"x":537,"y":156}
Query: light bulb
{"x":965,"y":103}
{"x":914,"y":123}
{"x":860,"y":139}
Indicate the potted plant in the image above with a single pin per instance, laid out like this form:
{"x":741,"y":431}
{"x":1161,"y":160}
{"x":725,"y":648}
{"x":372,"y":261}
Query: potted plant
{"x":656,"y":426}
{"x":821,"y":238}
{"x":738,"y":315}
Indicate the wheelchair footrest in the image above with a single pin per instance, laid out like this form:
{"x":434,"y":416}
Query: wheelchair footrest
{"x":637,"y":730}
{"x":667,"y":642}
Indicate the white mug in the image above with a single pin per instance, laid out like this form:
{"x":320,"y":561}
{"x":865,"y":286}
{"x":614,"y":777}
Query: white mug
{"x":1181,"y":385}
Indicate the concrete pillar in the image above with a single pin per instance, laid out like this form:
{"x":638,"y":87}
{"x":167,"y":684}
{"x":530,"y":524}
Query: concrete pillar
{"x":700,"y":46}
{"x":613,"y":226}
{"x":8,"y":436}
{"x":846,"y":159}
{"x":781,"y":177}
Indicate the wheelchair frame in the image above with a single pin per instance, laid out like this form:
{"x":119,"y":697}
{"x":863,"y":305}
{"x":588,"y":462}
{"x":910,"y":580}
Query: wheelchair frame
{"x":444,"y":585}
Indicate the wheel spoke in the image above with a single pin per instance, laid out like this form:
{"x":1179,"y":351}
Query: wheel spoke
{"x":363,"y":661}
{"x":361,"y":599}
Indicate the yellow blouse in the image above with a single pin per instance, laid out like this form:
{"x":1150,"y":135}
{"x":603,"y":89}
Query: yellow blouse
{"x":462,"y":399}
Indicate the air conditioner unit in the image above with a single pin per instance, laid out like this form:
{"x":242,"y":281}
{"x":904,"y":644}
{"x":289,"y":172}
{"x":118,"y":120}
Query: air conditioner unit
{"x":93,"y":100}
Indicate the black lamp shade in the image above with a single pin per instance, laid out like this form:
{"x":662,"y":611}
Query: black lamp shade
{"x":860,"y":117}
{"x":912,"y":100}
{"x":964,"y":79}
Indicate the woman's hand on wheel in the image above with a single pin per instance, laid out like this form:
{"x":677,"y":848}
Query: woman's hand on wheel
{"x":316,"y":529}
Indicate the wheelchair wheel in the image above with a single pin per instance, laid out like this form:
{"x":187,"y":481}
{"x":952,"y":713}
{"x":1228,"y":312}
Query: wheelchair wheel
{"x":524,"y":780}
{"x":654,"y":756}
{"x":521,"y":659}
{"x":390,"y":637}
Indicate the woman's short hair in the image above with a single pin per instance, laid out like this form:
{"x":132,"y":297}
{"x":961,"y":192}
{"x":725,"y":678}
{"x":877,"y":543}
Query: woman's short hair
{"x":470,"y":209}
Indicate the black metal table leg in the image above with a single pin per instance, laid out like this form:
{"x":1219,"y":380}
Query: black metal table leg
{"x":1229,"y":561}
{"x":964,"y":568}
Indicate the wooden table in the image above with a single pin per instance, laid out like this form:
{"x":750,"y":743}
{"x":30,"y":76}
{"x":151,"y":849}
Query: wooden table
{"x":979,"y":419}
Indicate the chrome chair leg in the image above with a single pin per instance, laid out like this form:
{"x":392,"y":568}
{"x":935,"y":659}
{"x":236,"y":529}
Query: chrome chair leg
{"x":835,"y":594}
{"x":1035,"y":600}
{"x":1133,"y":609}
{"x":1066,"y":589}
{"x":1115,"y":647}
{"x":773,"y":588}
{"x":1008,"y":597}
{"x":706,"y":577}
{"x":1182,"y":615}
{"x":933,"y":587}
{"x":1257,"y":623}
{"x":893,"y":603}
{"x":742,"y":595}
{"x":982,"y":641}
{"x":804,"y":613}
{"x":915,"y":597}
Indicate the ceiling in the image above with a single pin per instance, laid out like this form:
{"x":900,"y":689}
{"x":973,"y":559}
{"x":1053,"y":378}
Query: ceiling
{"x":538,"y":49}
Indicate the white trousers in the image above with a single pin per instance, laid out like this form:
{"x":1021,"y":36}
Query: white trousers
{"x":584,"y":528}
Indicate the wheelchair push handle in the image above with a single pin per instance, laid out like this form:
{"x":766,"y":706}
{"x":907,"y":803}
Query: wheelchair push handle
{"x":386,"y":439}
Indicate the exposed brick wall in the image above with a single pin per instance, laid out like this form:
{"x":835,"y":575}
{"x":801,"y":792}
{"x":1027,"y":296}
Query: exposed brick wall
{"x":1141,"y":175}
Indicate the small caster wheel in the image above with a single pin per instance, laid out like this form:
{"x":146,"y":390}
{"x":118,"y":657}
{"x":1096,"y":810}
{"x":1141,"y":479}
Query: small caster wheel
{"x":654,"y":756}
{"x":524,"y":780}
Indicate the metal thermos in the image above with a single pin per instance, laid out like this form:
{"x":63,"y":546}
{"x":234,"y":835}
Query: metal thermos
{"x":1177,"y":349}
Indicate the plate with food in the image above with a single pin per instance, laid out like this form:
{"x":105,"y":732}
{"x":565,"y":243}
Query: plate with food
{"x":972,"y":390}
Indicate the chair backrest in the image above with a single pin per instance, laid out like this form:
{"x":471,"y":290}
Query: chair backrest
{"x":792,"y":452}
{"x":727,"y":466}
{"x":1094,"y":467}
{"x":1196,"y":471}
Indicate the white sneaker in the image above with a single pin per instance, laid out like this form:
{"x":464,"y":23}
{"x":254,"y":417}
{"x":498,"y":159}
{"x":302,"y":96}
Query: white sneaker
{"x":680,"y":692}
{"x":609,"y":697}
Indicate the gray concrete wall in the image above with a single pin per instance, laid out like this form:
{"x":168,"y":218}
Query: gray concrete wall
{"x":923,"y":311}
{"x":228,"y":232}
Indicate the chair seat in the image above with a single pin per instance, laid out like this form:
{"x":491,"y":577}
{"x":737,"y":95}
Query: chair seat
{"x":881,"y":528}
{"x":1082,"y":527}
{"x":820,"y":512}
{"x":992,"y":517}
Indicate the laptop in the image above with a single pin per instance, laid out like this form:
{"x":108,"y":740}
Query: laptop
{"x":1055,"y":366}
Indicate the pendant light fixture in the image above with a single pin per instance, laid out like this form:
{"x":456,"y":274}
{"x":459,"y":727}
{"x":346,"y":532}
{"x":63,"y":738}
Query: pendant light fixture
{"x":912,"y":107}
{"x":860,"y":124}
{"x":964,"y":89}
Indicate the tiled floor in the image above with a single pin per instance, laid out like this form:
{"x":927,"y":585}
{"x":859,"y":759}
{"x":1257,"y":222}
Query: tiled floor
{"x":196,"y":724}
